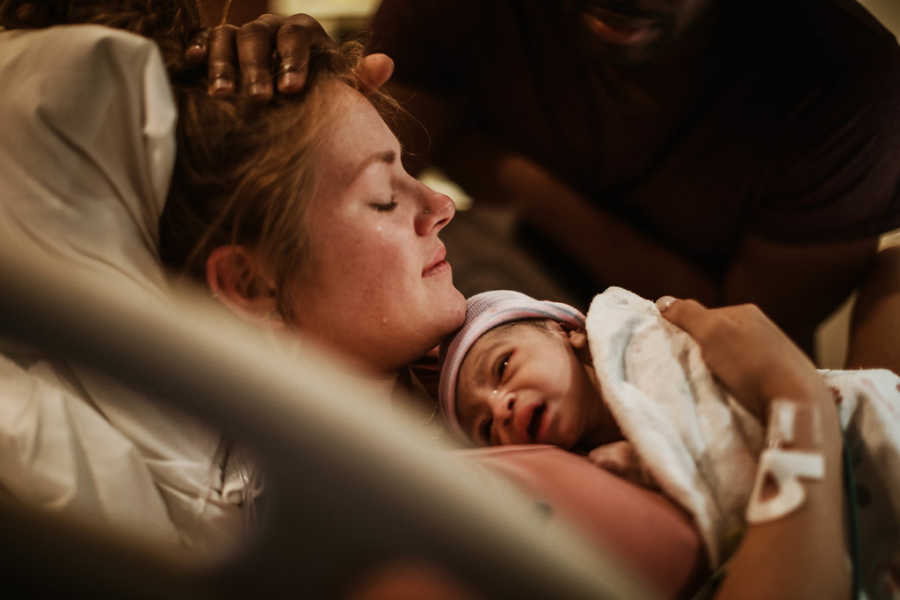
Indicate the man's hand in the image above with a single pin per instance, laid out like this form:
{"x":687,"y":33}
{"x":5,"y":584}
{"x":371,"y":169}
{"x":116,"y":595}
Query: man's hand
{"x":268,"y":52}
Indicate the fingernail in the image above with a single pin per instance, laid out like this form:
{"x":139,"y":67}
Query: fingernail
{"x":664,"y":303}
{"x":258,"y":90}
{"x":195,"y":52}
{"x":291,"y":81}
{"x":220,"y":85}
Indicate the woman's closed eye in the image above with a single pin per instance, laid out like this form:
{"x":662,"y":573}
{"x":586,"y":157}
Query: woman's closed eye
{"x":384,"y":206}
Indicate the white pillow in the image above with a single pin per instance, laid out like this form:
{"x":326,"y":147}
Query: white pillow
{"x":86,"y":154}
{"x":87,"y":147}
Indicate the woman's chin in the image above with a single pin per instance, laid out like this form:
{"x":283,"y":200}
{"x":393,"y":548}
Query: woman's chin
{"x":448,"y":310}
{"x":458,"y":309}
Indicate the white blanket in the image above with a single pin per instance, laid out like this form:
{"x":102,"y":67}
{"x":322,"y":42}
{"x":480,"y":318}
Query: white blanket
{"x":700,"y":446}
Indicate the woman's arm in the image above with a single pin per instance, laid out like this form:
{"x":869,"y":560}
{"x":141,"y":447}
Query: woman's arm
{"x":802,"y":554}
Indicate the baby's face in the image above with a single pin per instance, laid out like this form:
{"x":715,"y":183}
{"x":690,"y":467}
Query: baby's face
{"x":523,"y":384}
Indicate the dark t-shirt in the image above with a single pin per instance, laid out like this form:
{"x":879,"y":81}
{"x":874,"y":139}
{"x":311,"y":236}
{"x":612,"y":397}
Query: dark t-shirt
{"x":787,"y":126}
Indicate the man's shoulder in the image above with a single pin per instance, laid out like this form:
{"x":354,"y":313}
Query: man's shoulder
{"x":842,"y":34}
{"x":824,"y":34}
{"x":851,"y":14}
{"x":824,"y":61}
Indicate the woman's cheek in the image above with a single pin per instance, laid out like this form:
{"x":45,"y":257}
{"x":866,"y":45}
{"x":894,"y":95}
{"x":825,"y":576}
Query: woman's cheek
{"x":390,"y":240}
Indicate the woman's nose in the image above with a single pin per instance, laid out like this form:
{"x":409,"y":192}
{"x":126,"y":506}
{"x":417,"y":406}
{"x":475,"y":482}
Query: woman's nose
{"x":437,"y":210}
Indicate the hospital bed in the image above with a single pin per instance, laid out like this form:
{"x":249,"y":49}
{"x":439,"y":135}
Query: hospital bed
{"x":343,"y":498}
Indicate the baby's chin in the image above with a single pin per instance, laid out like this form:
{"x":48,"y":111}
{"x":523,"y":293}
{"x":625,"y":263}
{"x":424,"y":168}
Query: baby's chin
{"x":577,"y":434}
{"x":568,"y":436}
{"x":582,"y":446}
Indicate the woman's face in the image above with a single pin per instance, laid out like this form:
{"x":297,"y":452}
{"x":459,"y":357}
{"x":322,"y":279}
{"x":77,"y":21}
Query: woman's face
{"x":376,"y":284}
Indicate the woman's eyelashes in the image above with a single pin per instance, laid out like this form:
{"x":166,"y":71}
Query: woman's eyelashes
{"x":384,"y":206}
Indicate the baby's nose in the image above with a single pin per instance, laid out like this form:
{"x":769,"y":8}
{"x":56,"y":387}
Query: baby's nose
{"x":507,"y":411}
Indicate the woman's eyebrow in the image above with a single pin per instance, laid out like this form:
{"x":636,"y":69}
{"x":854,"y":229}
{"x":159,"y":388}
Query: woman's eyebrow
{"x":387,"y":157}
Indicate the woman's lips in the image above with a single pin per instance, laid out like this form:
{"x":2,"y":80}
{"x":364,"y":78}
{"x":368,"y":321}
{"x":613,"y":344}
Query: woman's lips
{"x":619,"y":29}
{"x":437,"y":264}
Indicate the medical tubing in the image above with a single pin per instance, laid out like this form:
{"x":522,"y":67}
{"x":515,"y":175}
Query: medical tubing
{"x":852,"y":520}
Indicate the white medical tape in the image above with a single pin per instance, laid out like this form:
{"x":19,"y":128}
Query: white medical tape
{"x":782,"y":419}
{"x":782,"y":468}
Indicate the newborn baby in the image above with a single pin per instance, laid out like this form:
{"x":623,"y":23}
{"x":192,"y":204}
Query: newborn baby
{"x":531,"y":360}
{"x":533,"y":371}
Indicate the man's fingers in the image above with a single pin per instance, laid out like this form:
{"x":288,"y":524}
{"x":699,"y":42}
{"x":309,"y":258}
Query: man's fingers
{"x":296,"y":37}
{"x":222,"y":73}
{"x":197,"y":51}
{"x":375,"y":70}
{"x":255,"y":43}
{"x":254,"y":47}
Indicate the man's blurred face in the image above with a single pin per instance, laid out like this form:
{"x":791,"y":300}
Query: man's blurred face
{"x":632,"y":31}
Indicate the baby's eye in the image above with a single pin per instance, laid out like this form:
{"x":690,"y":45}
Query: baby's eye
{"x":384,"y":206}
{"x":502,"y":365}
{"x":484,"y":431}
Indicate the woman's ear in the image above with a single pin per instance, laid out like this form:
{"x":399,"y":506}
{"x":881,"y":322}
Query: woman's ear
{"x":579,"y":342}
{"x":236,"y":279}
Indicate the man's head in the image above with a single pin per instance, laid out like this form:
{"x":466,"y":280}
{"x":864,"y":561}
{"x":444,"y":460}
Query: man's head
{"x":519,"y":372}
{"x":632,"y":31}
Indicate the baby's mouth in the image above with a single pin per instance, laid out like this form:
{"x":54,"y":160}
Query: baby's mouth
{"x":534,"y":425}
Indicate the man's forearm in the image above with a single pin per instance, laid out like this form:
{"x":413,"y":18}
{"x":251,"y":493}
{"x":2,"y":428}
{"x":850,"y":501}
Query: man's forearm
{"x":798,"y":285}
{"x":875,"y":330}
{"x":613,"y":252}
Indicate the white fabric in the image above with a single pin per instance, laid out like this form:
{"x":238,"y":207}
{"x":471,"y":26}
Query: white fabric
{"x":701,"y":447}
{"x":86,"y":153}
